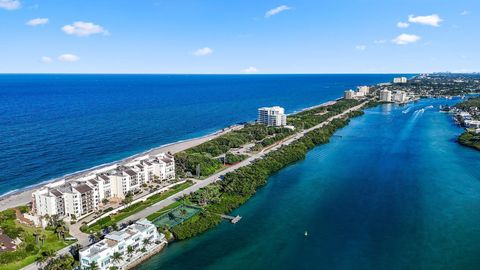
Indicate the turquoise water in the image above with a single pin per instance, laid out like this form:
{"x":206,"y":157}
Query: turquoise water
{"x":393,"y":190}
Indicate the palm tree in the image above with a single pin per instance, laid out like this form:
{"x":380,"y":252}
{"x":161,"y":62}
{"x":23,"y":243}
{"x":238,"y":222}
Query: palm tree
{"x":130,"y":251}
{"x":98,"y":236}
{"x":93,"y":266}
{"x":74,"y":250}
{"x":146,"y":242}
{"x":117,"y":257}
{"x":115,"y":226}
{"x":41,"y":260}
{"x":92,"y":238}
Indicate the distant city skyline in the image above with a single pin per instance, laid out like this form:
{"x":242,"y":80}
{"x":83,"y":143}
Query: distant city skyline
{"x":239,"y":37}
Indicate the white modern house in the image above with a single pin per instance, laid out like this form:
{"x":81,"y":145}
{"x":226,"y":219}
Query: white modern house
{"x":272,"y":116}
{"x":83,"y":195}
{"x":102,"y":253}
{"x":385,"y":95}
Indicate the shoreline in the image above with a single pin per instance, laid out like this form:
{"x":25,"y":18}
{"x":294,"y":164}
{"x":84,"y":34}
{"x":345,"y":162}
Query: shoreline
{"x":22,"y":196}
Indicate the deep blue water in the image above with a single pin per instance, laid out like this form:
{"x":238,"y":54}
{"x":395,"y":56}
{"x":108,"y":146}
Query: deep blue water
{"x":52,"y":125}
{"x":392,"y":190}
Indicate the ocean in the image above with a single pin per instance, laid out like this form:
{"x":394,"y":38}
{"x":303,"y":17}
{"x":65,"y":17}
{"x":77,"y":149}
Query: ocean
{"x":53,"y":125}
{"x":392,"y":190}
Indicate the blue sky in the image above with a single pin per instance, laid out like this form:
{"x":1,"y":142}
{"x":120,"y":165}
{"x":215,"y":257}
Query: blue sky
{"x":239,"y":36}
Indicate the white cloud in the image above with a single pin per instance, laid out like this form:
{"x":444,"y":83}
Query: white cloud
{"x":403,"y":25}
{"x":46,"y":60}
{"x":250,"y":70}
{"x":10,"y":4}
{"x":432,"y":20}
{"x":37,"y":21}
{"x":380,"y":41}
{"x":361,"y":47}
{"x":465,"y":12}
{"x":203,"y":52}
{"x":68,"y":58}
{"x":275,"y":11}
{"x":404,"y":39}
{"x":83,"y":29}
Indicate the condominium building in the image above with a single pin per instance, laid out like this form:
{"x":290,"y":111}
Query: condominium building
{"x":400,"y":80}
{"x":349,"y":94}
{"x":385,"y":95}
{"x":364,"y":89}
{"x":400,"y":96}
{"x":118,"y":242}
{"x":72,"y":199}
{"x":83,"y":195}
{"x":272,"y":116}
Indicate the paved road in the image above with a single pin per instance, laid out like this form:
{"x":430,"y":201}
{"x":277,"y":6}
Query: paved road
{"x":83,"y":238}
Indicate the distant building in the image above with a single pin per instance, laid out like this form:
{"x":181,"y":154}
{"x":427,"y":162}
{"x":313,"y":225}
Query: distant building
{"x":83,"y":195}
{"x":349,"y":94}
{"x":385,"y":95}
{"x":364,"y":89}
{"x":400,"y":80}
{"x":272,"y":116}
{"x":400,"y":97}
{"x":119,"y":241}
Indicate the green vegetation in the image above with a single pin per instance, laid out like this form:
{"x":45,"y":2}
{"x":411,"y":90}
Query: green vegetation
{"x":313,"y":117}
{"x":196,"y":225}
{"x":469,"y":103}
{"x":132,"y":209}
{"x":232,"y":158}
{"x":238,"y":186}
{"x":203,"y":160}
{"x":163,"y":210}
{"x":470,"y":139}
{"x":35,"y":243}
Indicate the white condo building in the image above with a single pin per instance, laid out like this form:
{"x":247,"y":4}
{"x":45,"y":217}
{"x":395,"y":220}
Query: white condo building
{"x":83,"y":195}
{"x":364,"y":89}
{"x":118,"y":241}
{"x":400,"y":80}
{"x":400,"y":96}
{"x":272,"y":116}
{"x":349,"y":94}
{"x":385,"y":95}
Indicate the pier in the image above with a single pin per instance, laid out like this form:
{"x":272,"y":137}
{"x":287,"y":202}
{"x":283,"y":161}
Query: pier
{"x":232,"y":219}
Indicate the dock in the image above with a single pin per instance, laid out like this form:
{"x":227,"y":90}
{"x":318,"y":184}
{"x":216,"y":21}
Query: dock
{"x":232,"y":219}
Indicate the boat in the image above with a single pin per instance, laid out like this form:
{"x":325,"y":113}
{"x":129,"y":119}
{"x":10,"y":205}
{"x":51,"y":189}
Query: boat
{"x":306,"y":233}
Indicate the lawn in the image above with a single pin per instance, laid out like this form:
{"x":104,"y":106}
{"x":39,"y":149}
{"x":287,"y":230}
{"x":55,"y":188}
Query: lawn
{"x":135,"y":208}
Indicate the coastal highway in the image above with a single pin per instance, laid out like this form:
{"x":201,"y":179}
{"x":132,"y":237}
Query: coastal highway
{"x":216,"y":177}
{"x":83,"y":237}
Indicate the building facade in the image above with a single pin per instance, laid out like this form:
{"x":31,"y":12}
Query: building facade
{"x":272,"y":116}
{"x":119,"y":242}
{"x":385,"y":95}
{"x":349,"y":94}
{"x":400,"y":97}
{"x":84,"y":195}
{"x":400,"y":80}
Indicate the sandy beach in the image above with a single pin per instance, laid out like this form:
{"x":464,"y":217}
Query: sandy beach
{"x":24,"y":196}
